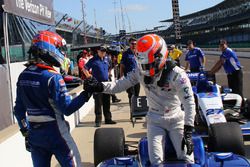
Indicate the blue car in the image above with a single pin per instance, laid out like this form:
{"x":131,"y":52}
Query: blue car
{"x":111,"y":150}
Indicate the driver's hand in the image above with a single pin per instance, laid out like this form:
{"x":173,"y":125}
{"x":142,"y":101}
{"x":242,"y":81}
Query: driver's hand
{"x":187,"y":139}
{"x":92,"y":85}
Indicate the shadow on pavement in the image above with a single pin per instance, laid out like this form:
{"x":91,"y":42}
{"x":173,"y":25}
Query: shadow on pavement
{"x":137,"y":135}
{"x":85,"y":164}
{"x":92,"y":123}
{"x":120,"y":104}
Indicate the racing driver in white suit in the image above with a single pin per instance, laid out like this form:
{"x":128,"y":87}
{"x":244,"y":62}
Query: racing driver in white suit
{"x":167,"y":87}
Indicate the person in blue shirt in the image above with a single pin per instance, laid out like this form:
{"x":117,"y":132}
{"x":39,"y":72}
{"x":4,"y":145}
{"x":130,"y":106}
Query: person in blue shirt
{"x":99,"y":65}
{"x":195,"y":58}
{"x":128,"y":64}
{"x":229,"y":60}
{"x":43,"y":100}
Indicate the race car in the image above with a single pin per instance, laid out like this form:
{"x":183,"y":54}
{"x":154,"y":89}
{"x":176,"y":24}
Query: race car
{"x":218,"y":114}
{"x":111,"y":150}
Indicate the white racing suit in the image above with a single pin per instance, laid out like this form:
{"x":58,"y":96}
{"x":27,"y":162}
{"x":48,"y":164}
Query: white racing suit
{"x":165,"y":114}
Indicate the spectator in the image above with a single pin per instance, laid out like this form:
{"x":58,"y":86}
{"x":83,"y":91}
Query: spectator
{"x":128,"y":64}
{"x":77,"y":60}
{"x":90,"y":54}
{"x":175,"y":54}
{"x":119,"y":58}
{"x":100,"y":70}
{"x":71,"y":68}
{"x":195,"y":58}
{"x":81,"y":63}
{"x":229,"y":60}
{"x":66,"y":65}
{"x":43,"y":100}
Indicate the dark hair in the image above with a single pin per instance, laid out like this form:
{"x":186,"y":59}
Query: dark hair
{"x":190,"y":42}
{"x":223,"y":41}
{"x":131,"y":39}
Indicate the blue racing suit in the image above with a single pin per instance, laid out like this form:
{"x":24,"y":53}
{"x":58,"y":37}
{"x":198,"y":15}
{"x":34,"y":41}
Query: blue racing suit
{"x":41,"y":103}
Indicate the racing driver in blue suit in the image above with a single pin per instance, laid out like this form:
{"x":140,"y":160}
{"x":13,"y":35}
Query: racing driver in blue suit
{"x":43,"y":100}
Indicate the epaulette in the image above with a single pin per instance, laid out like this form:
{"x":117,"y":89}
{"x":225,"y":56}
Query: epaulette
{"x":53,"y":71}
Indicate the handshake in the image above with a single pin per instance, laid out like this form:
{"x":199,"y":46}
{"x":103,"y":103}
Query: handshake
{"x":92,"y":85}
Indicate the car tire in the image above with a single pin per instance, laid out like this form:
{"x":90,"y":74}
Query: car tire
{"x":108,"y":143}
{"x":226,"y":137}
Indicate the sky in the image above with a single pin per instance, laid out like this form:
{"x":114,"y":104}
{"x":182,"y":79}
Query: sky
{"x":138,"y":14}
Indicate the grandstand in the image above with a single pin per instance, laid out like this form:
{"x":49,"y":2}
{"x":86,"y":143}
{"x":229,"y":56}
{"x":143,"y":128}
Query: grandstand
{"x":229,"y":19}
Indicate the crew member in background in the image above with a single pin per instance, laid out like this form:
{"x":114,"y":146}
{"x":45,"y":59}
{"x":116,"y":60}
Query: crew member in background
{"x":229,"y":60}
{"x":119,"y":58}
{"x":100,"y":70}
{"x":90,"y":53}
{"x":195,"y":58}
{"x":175,"y":54}
{"x":43,"y":100}
{"x":77,"y":61}
{"x":128,"y":64}
{"x":66,"y":66}
{"x":81,"y":63}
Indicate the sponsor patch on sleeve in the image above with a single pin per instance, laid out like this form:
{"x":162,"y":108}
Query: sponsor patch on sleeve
{"x":187,"y":93}
{"x":61,"y":82}
{"x":183,"y":81}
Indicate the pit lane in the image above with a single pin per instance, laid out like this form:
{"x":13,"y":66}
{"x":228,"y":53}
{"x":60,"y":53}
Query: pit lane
{"x":84,"y":133}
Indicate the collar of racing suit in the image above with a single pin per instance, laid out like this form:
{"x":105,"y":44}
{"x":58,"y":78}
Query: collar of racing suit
{"x":166,"y":70}
{"x":168,"y":67}
{"x":43,"y":66}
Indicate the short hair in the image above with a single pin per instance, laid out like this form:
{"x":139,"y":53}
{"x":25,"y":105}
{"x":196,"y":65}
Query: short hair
{"x":131,"y":39}
{"x":190,"y":42}
{"x":223,"y":41}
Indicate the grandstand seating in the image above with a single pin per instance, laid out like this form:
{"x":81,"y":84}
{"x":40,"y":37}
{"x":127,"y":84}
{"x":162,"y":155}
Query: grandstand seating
{"x":229,"y":19}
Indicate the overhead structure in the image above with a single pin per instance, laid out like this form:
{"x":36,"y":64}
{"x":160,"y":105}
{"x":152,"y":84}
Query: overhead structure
{"x":84,"y":22}
{"x":122,"y":15}
{"x":115,"y":16}
{"x":176,"y":17}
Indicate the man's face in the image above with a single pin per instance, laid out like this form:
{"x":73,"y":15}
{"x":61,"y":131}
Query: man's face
{"x":132,"y":45}
{"x":101,"y":53}
{"x":222,"y":46}
{"x":190,"y":46}
{"x":84,"y":54}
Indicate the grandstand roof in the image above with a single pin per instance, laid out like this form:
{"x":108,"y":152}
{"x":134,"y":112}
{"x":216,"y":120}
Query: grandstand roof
{"x":223,"y":5}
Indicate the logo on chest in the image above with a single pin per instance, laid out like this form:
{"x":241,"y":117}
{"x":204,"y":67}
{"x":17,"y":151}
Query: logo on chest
{"x":166,"y":86}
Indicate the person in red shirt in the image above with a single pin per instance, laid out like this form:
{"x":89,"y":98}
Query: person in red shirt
{"x":81,"y":63}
